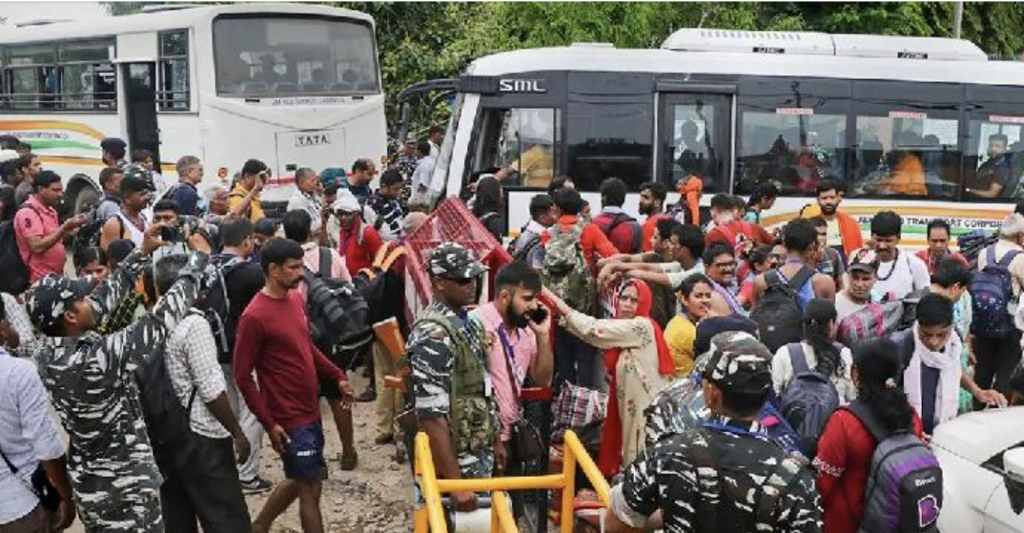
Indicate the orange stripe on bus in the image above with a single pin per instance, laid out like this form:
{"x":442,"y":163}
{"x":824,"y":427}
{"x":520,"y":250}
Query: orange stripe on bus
{"x":15,"y":125}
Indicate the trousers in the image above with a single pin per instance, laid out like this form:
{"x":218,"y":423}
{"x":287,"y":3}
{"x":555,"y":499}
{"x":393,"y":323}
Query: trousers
{"x":250,"y":426}
{"x":997,"y":358}
{"x":389,"y":401}
{"x":206,"y":490}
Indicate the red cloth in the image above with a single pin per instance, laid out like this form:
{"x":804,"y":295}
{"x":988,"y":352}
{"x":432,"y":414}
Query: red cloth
{"x":623,"y":236}
{"x":358,"y":257}
{"x":650,"y":226}
{"x":593,"y":240}
{"x":273,"y":339}
{"x":735,"y":228}
{"x":843,"y":463}
{"x":931,"y":262}
{"x":609,"y":459}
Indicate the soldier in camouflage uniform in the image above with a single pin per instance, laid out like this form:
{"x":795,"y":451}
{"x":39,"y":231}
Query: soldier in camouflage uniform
{"x":89,"y":377}
{"x":447,"y":351}
{"x":725,"y":474}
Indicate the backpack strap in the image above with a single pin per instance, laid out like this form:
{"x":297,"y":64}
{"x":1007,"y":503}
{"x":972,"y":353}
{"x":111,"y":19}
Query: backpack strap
{"x":361,"y":234}
{"x":867,"y":418}
{"x":1007,"y":259}
{"x":797,"y":358}
{"x":325,"y":262}
{"x":728,"y":233}
{"x":772,"y":278}
{"x":801,"y":277}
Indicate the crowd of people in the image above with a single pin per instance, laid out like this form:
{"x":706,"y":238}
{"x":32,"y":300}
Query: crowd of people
{"x":725,"y":376}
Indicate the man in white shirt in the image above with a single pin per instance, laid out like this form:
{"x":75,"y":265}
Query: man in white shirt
{"x":899,"y":273}
{"x":29,"y":440}
{"x":307,"y":197}
{"x":200,"y":480}
{"x":421,"y":176}
{"x":857,"y":293}
{"x":434,"y":136}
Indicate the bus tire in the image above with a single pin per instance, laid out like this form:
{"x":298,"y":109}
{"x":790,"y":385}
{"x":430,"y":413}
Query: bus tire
{"x":81,"y":196}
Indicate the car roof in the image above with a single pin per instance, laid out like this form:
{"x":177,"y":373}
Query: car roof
{"x":980,"y":435}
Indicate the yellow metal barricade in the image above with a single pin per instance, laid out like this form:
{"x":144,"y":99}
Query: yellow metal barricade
{"x":430,"y":517}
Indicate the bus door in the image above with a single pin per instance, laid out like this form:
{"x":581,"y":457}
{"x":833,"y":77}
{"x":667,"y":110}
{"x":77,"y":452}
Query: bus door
{"x":138,"y":94}
{"x":695,"y":135}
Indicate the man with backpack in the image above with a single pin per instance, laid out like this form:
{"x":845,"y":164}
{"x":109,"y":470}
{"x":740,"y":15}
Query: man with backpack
{"x":527,"y":246}
{"x":274,"y":340}
{"x":40,"y":234}
{"x":200,"y":477}
{"x":190,"y":175}
{"x":571,"y":251}
{"x":358,"y":242}
{"x":726,"y":474}
{"x":624,"y":232}
{"x":996,"y":293}
{"x":325,"y":264}
{"x":110,"y":199}
{"x":234,"y":282}
{"x":91,"y":384}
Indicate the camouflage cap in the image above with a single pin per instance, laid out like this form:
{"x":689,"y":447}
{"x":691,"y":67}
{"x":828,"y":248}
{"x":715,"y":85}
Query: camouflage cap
{"x":738,"y":362}
{"x":454,"y":260}
{"x":51,"y":296}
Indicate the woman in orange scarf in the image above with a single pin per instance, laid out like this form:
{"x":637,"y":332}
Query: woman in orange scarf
{"x":637,"y":359}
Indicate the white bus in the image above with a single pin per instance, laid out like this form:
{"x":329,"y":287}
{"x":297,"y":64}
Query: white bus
{"x":903,"y":123}
{"x":293,"y":85}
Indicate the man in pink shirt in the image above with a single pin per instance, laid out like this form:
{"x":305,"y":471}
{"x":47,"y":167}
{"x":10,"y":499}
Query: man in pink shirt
{"x":40,"y":234}
{"x":518,"y":342}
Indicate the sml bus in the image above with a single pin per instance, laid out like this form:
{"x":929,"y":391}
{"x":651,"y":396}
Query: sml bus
{"x":293,"y":85}
{"x":739,"y":108}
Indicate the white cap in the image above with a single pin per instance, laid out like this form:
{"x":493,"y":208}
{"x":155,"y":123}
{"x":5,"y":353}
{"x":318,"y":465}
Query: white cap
{"x":346,"y":202}
{"x":7,"y":155}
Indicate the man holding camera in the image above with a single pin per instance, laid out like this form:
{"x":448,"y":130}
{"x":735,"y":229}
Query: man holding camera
{"x":244,"y":199}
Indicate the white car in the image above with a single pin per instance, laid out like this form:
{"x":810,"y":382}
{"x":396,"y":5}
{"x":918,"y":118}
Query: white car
{"x":982,"y":459}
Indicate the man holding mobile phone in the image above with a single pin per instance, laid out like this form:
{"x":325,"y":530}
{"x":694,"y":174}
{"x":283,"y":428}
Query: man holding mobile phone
{"x":520,"y":355}
{"x":244,"y":198}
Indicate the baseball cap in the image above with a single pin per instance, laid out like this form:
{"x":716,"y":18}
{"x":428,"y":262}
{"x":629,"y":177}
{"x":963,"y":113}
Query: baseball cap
{"x":113,"y":144}
{"x":51,"y":296}
{"x":738,"y":362}
{"x":133,"y":184}
{"x":346,"y":202}
{"x":454,"y":260}
{"x":711,"y":326}
{"x":865,"y":261}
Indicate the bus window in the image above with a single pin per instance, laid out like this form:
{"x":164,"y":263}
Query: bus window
{"x":995,"y":158}
{"x":521,"y":143}
{"x":691,"y":144}
{"x":32,"y":76}
{"x":906,"y":148}
{"x":87,"y":75}
{"x":173,"y":91}
{"x":294,"y":56}
{"x":792,"y":132}
{"x":610,"y":137}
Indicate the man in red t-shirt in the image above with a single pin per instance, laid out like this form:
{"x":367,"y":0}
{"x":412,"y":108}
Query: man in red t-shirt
{"x":274,"y":340}
{"x":357,"y":242}
{"x":622,"y":230}
{"x":652,"y":205}
{"x":728,"y":228}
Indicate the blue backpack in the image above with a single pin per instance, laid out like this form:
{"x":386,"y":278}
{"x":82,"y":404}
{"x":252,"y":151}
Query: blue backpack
{"x":992,"y":291}
{"x":808,"y":401}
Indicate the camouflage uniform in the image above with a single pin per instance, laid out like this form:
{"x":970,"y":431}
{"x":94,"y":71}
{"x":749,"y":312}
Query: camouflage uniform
{"x":432,"y":354}
{"x":90,"y":381}
{"x":724,"y":475}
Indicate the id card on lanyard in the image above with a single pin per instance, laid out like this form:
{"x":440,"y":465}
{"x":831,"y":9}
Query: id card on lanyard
{"x":520,"y":374}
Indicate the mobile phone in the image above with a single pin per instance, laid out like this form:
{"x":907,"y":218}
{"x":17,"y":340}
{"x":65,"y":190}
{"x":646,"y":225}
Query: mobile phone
{"x":538,"y":315}
{"x":170,"y":234}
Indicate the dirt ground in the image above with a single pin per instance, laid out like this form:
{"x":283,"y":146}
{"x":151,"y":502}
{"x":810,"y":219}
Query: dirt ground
{"x":374,"y":498}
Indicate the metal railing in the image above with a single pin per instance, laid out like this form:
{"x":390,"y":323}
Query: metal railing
{"x":430,"y":517}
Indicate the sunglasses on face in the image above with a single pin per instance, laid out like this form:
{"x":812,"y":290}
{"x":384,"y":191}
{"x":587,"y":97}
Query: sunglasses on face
{"x":461,"y":281}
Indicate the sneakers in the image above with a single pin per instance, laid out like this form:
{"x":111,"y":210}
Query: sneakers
{"x":256,"y":485}
{"x":348,"y":461}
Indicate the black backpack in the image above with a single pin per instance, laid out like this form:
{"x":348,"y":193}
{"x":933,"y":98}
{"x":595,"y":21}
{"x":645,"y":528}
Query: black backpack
{"x":337,"y":313}
{"x":16,"y":273}
{"x":638,"y":231}
{"x":778,"y":314}
{"x":88,"y":236}
{"x":528,"y":249}
{"x":167,"y":421}
{"x":219,"y":313}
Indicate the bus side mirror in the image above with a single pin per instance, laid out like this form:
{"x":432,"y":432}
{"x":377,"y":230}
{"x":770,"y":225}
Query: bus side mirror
{"x":1013,"y":463}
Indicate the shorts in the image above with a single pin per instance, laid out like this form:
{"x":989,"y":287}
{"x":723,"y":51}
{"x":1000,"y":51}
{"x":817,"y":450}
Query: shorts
{"x":304,"y":455}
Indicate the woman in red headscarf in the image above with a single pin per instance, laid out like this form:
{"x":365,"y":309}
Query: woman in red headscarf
{"x":638,"y":360}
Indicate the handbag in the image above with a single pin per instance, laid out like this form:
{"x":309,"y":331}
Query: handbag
{"x":39,"y":484}
{"x":525,"y":444}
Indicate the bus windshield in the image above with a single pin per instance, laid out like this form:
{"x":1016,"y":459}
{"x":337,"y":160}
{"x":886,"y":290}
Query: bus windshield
{"x":294,"y":56}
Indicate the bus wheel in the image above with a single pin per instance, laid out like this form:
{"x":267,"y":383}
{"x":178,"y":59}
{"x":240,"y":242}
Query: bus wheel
{"x":81,"y":196}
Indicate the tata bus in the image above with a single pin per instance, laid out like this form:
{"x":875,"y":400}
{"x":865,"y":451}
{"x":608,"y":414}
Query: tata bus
{"x":902,"y":123}
{"x":294,"y":85}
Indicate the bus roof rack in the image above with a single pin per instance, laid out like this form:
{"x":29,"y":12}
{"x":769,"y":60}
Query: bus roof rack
{"x":158,"y":8}
{"x":815,"y":43}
